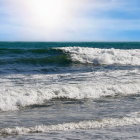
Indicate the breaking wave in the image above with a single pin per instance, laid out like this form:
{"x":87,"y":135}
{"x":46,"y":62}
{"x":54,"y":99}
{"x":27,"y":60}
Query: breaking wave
{"x":13,"y":98}
{"x":15,"y":93}
{"x":91,"y":124}
{"x":67,"y":55}
{"x":104,"y":56}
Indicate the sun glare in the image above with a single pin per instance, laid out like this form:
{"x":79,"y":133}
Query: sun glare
{"x":47,"y":13}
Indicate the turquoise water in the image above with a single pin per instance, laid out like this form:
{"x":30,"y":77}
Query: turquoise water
{"x":116,"y":45}
{"x":68,"y":90}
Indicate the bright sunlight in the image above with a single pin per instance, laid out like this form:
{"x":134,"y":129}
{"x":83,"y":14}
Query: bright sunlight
{"x":48,"y":13}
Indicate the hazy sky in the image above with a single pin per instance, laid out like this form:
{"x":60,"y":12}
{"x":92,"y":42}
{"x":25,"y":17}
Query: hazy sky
{"x":69,"y":20}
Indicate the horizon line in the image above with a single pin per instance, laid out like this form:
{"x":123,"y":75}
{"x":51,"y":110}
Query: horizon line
{"x":69,"y":41}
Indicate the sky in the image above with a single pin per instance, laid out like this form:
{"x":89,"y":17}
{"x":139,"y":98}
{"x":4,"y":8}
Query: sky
{"x":69,"y":20}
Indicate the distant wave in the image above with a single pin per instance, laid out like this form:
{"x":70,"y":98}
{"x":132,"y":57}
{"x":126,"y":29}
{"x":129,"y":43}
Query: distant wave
{"x":33,"y":56}
{"x":91,"y":124}
{"x":103,"y":56}
{"x":69,"y":55}
{"x":29,"y":51}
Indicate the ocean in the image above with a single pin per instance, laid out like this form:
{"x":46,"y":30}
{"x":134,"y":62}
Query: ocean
{"x":69,"y":90}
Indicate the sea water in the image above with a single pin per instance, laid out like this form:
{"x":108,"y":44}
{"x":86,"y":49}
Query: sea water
{"x":69,"y":90}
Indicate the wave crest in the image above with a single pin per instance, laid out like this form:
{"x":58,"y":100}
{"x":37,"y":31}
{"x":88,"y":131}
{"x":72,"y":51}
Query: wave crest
{"x":15,"y":98}
{"x":103,"y":56}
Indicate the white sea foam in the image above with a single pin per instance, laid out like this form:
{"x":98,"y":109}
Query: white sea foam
{"x":91,"y":124}
{"x":104,"y":56}
{"x":11,"y":98}
{"x":21,"y":90}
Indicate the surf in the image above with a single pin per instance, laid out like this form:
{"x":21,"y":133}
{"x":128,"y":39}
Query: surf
{"x":71,"y":126}
{"x":70,"y":55}
{"x":99,"y":56}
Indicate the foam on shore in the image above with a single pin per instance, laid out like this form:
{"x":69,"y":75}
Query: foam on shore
{"x":91,"y":124}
